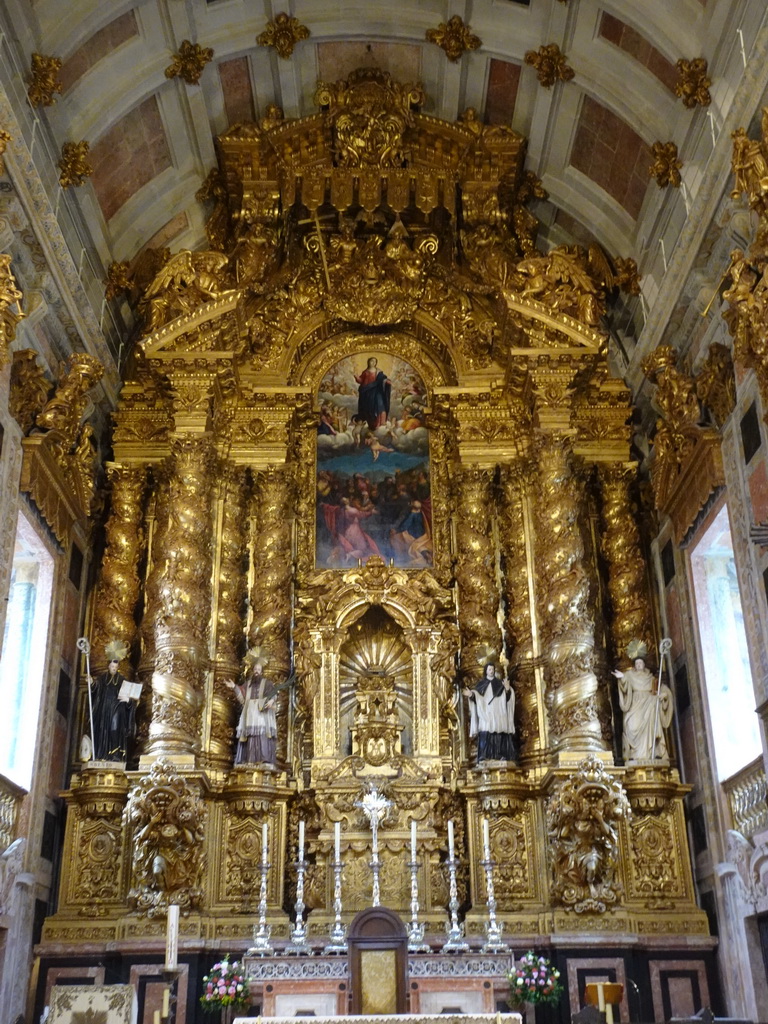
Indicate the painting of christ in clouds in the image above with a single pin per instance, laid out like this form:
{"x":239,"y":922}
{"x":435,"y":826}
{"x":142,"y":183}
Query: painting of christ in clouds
{"x":373,"y":485}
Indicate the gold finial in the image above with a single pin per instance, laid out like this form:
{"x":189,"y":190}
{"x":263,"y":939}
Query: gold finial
{"x":74,"y":164}
{"x":282,"y":34}
{"x":43,"y":85}
{"x":189,"y":62}
{"x":551,"y":65}
{"x":454,"y":37}
{"x":666,"y":166}
{"x":5,"y":138}
{"x":9,"y":296}
{"x":693,"y":83}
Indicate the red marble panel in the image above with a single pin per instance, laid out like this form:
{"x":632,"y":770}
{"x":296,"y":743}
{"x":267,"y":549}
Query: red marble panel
{"x":501,"y":95}
{"x":758,"y":492}
{"x":165,"y":235}
{"x":641,"y":49}
{"x":236,"y":87}
{"x":128,"y":155}
{"x":97,"y":47}
{"x":612,"y":154}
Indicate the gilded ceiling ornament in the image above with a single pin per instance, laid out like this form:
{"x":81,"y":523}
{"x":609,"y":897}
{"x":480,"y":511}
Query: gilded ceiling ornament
{"x":666,"y":166}
{"x":189,"y":62}
{"x":551,"y":65}
{"x":10,"y":296}
{"x":74,"y":165}
{"x":43,"y":85}
{"x":282,"y":33}
{"x":5,"y":138}
{"x":693,"y":83}
{"x":118,"y":278}
{"x":454,"y":37}
{"x":627,"y":276}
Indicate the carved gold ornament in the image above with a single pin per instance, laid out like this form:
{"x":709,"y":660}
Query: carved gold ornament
{"x":30,"y":388}
{"x":118,"y":279}
{"x":5,"y":138}
{"x":282,"y":33}
{"x":749,"y":163}
{"x":693,"y":82}
{"x":189,"y":62}
{"x":551,"y":65}
{"x":74,"y":166}
{"x":44,"y":83}
{"x":454,"y":37}
{"x":10,"y":296}
{"x":666,"y":166}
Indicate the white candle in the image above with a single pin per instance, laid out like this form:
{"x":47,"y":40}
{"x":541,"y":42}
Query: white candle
{"x":450,"y":840}
{"x":486,"y":840}
{"x":413,"y":841}
{"x":157,"y":1017}
{"x":172,"y":937}
{"x":166,"y":1002}
{"x":301,"y":840}
{"x":264,"y":842}
{"x":337,"y":840}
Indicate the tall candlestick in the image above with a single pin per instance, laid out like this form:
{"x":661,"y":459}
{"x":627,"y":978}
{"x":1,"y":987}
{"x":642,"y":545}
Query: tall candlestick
{"x":172,"y":938}
{"x":486,"y":840}
{"x":301,"y":840}
{"x":337,"y":840}
{"x":413,"y":840}
{"x":450,"y":840}
{"x":264,"y":840}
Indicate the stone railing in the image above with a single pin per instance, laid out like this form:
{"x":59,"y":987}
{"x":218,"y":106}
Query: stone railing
{"x":11,"y":796}
{"x":746,"y":792}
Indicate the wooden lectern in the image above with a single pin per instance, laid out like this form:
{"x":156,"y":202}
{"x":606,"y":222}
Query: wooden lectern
{"x":604,"y":995}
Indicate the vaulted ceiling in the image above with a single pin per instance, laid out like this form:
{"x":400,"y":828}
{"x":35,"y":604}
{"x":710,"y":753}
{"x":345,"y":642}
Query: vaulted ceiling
{"x":152,"y":137}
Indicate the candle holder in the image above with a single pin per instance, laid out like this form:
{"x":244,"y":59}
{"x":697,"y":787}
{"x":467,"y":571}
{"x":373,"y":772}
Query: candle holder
{"x":493,"y":928}
{"x":455,"y":943}
{"x":338,"y":932}
{"x":298,"y":942}
{"x":261,"y":945}
{"x":416,"y":943}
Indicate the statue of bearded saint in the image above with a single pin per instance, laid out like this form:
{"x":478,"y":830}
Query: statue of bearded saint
{"x":647,"y":707}
{"x":492,"y":716}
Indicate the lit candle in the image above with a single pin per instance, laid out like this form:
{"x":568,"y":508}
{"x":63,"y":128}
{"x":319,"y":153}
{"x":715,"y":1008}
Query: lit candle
{"x":172,"y":937}
{"x":264,"y":841}
{"x":166,"y":1002}
{"x":450,"y":840}
{"x":301,"y":840}
{"x":413,"y":841}
{"x":486,"y":840}
{"x":337,"y":840}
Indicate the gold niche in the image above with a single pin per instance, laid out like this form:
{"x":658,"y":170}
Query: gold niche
{"x":368,"y":240}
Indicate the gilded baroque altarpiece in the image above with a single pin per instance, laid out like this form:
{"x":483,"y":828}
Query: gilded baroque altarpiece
{"x":477,"y":503}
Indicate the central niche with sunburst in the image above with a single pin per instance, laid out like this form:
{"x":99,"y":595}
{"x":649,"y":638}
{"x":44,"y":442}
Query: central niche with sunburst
{"x":375,"y":690}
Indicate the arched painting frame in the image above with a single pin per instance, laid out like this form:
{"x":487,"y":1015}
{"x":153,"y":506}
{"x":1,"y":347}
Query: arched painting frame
{"x":372,"y":471}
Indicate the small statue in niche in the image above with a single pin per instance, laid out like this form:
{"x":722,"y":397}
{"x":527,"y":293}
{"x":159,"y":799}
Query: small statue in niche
{"x":257,"y":727}
{"x":647,"y":706}
{"x":114,"y":699}
{"x":492,"y":716}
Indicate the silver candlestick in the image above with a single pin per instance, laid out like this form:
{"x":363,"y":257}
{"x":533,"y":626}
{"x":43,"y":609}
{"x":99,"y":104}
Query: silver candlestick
{"x":338,"y":933}
{"x":261,"y":945}
{"x":416,"y":943}
{"x":374,"y":805}
{"x":455,"y":943}
{"x":298,"y":943}
{"x":493,"y":928}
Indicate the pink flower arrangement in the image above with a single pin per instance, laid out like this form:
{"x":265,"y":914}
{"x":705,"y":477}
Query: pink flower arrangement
{"x":224,"y":985}
{"x":534,"y":979}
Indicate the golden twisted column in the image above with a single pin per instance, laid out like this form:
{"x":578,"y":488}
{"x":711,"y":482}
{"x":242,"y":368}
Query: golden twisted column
{"x":180,"y":589}
{"x":118,"y":588}
{"x":579,"y":712}
{"x":626,"y":565}
{"x":475,"y":568}
{"x":516,"y":543}
{"x":231,"y":590}
{"x":270,"y":596}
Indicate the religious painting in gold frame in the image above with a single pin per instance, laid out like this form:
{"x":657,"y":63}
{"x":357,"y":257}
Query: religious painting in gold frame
{"x":372,"y":472}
